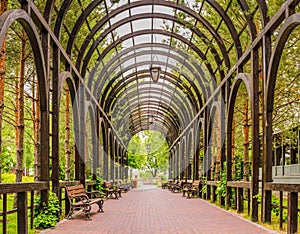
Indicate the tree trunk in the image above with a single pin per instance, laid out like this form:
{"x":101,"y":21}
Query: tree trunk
{"x":246,"y":139}
{"x":36,"y":127}
{"x":3,"y":7}
{"x":20,"y":114}
{"x":67,"y":136}
{"x":20,"y":123}
{"x":233,"y":151}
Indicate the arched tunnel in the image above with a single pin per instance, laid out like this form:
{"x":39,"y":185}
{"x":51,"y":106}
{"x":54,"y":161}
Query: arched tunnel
{"x":205,"y":74}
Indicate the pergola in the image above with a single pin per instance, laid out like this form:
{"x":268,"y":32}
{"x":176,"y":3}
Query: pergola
{"x":202,"y":53}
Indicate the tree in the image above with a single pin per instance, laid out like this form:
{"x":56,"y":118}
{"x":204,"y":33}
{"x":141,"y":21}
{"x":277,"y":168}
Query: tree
{"x":3,"y":7}
{"x":148,"y":149}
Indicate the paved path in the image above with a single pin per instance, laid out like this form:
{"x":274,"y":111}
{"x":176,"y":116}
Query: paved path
{"x":154,"y":210}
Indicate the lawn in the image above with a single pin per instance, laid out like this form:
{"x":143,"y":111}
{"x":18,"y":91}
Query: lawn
{"x":12,"y":218}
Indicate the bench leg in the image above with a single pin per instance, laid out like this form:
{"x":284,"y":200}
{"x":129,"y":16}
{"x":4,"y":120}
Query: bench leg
{"x":100,"y":205}
{"x":69,"y":216}
{"x":87,"y":209}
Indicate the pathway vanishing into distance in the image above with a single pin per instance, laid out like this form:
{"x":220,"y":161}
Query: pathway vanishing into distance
{"x":154,"y":210}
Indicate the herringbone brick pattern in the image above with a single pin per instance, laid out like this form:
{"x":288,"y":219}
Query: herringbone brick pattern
{"x":155,"y":210}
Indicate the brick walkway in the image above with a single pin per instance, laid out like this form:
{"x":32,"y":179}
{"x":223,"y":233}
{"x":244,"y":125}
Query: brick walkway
{"x":154,"y":210}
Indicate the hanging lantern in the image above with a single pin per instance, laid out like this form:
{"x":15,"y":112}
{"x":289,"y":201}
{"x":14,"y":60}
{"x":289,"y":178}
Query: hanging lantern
{"x":155,"y":73}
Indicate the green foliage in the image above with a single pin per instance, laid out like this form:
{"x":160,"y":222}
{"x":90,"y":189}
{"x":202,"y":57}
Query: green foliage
{"x":46,"y":217}
{"x":221,"y":186}
{"x":259,"y":197}
{"x":11,"y":178}
{"x":276,"y":210}
{"x":204,"y":187}
{"x":148,"y":150}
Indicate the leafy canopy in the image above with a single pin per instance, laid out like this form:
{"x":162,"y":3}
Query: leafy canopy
{"x":148,"y":150}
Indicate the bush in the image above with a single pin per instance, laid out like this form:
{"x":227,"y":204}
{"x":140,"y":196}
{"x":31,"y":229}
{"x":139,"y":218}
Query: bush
{"x":46,"y":217}
{"x":11,"y":178}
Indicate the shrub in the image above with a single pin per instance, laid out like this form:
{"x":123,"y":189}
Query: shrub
{"x":46,"y":216}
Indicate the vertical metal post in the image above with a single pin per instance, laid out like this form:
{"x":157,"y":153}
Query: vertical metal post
{"x":240,"y":200}
{"x":22,"y":212}
{"x":255,"y":134}
{"x":4,"y":227}
{"x":293,"y":212}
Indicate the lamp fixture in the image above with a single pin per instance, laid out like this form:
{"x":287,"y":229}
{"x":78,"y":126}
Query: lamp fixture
{"x":155,"y":73}
{"x":151,"y":119}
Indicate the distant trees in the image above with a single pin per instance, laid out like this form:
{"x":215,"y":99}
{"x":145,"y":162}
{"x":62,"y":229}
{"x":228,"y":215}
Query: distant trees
{"x":148,"y":150}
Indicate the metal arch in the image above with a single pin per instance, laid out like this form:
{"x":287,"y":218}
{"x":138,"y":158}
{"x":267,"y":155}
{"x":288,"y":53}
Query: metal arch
{"x":153,"y":107}
{"x":140,"y":75}
{"x":246,"y":79}
{"x":60,"y":17}
{"x":183,"y":8}
{"x":97,"y":94}
{"x":80,"y":21}
{"x":133,"y":94}
{"x":6,"y":19}
{"x":146,"y":112}
{"x":263,"y":12}
{"x":66,"y":76}
{"x":290,"y":24}
{"x":124,"y":52}
{"x":95,"y":148}
{"x":120,"y":23}
{"x":48,"y":10}
{"x":249,"y":18}
{"x":230,"y":26}
{"x":113,"y":94}
{"x":104,"y":135}
{"x":167,"y":125}
{"x":182,"y":62}
{"x":183,"y":116}
{"x":143,"y":74}
{"x":173,"y":117}
{"x":101,"y":80}
{"x":241,"y":77}
{"x":151,"y":111}
{"x":158,"y":126}
{"x":145,"y":32}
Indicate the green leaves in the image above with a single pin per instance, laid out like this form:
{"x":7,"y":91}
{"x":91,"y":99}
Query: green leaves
{"x":148,"y":150}
{"x":46,"y":217}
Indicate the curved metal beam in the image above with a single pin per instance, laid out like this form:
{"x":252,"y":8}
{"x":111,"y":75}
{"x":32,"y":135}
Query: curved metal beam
{"x":205,"y":93}
{"x":186,"y":111}
{"x":120,"y":23}
{"x":120,"y":86}
{"x":100,"y":83}
{"x":139,"y":33}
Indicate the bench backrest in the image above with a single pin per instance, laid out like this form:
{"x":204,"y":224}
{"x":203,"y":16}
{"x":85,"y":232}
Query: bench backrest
{"x":196,"y":183}
{"x":107,"y":184}
{"x":75,"y":191}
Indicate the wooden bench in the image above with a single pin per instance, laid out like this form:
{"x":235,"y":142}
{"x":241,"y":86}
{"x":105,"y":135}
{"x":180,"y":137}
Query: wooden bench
{"x":193,"y":189}
{"x":111,"y":190}
{"x":81,"y":199}
{"x":167,"y":184}
{"x":177,"y":186}
{"x":122,"y":186}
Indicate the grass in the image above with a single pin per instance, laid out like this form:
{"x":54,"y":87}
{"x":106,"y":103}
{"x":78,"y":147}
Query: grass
{"x":12,"y":218}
